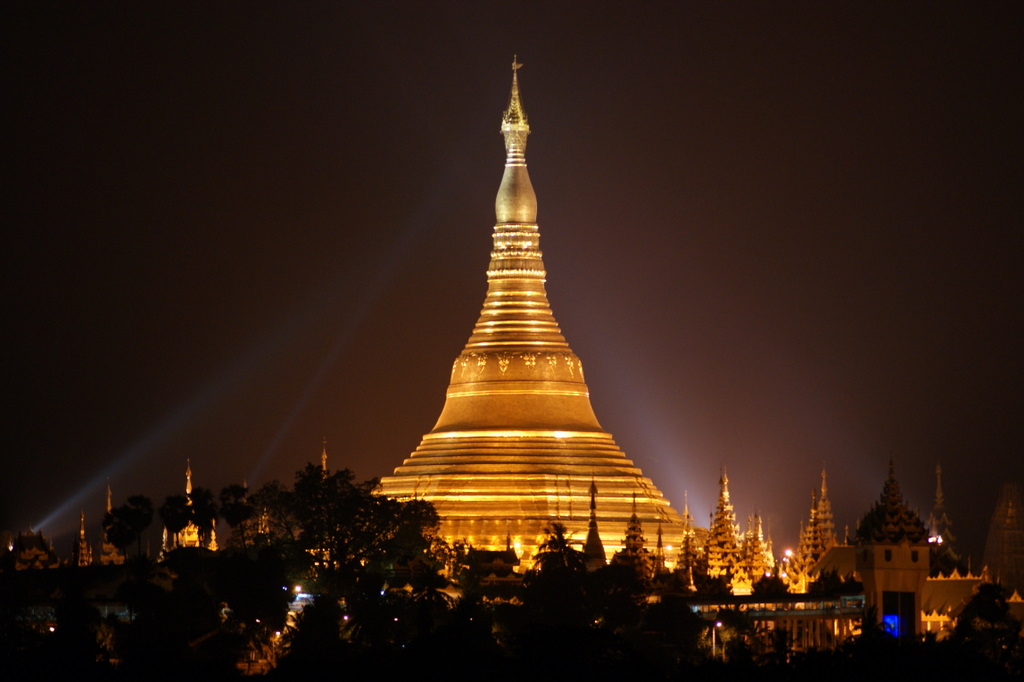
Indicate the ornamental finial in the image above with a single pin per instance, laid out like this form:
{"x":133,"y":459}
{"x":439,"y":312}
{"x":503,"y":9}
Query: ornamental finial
{"x":516,"y":201}
{"x":514,"y":117}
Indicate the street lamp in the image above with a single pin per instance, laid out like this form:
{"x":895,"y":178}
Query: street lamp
{"x":718,"y":624}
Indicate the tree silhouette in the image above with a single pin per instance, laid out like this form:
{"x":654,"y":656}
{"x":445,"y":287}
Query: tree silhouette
{"x":553,"y":590}
{"x":351,"y":531}
{"x":274,"y":516}
{"x":125,"y":524}
{"x":618,"y":593}
{"x":204,"y":511}
{"x":556,"y":552}
{"x":987,"y":626}
{"x":236,"y":510}
{"x":175,"y":512}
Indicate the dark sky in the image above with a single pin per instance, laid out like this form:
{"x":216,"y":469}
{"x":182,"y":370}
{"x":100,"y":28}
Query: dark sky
{"x":778,"y":235}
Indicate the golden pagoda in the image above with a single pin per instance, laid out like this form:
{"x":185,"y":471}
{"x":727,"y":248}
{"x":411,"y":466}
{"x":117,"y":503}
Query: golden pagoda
{"x":517,"y":445}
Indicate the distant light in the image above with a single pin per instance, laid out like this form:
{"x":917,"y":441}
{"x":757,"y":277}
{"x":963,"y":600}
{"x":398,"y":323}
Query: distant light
{"x":718,"y":623}
{"x":788,"y":553}
{"x":298,"y":588}
{"x":53,"y":628}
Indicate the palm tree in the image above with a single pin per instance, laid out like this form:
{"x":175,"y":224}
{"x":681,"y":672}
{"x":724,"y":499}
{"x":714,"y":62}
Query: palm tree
{"x":553,"y":590}
{"x":204,"y":512}
{"x":557,"y":552}
{"x":125,"y":524}
{"x":117,"y":532}
{"x":175,"y":512}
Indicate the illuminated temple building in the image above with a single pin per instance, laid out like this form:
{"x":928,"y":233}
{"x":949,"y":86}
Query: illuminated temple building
{"x":517,"y":445}
{"x":189,"y":534}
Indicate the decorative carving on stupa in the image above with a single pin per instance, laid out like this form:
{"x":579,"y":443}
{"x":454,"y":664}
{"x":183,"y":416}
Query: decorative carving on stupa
{"x":517,"y":444}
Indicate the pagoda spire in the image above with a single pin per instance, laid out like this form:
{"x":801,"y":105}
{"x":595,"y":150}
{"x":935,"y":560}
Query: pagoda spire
{"x":723,"y":548}
{"x":81,"y":553}
{"x":826,"y":521}
{"x":890,"y":520}
{"x":323,"y":457}
{"x":518,"y":407}
{"x":593,"y":549}
{"x":188,"y":479}
{"x":516,"y":352}
{"x":945,"y":559}
{"x":516,"y":201}
{"x":659,"y":554}
{"x":109,"y":554}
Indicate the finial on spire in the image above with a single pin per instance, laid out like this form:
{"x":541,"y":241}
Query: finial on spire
{"x":188,"y":476}
{"x":514,"y":122}
{"x":516,"y":201}
{"x":323,"y":457}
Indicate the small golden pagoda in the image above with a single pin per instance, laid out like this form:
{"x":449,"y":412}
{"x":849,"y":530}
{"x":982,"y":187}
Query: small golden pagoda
{"x":517,"y":445}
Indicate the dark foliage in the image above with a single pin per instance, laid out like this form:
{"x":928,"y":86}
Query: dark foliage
{"x":124,"y":525}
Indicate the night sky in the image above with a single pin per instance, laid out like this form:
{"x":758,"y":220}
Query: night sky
{"x":780,"y":236}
